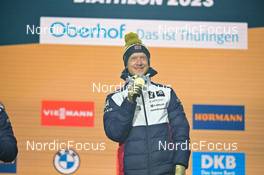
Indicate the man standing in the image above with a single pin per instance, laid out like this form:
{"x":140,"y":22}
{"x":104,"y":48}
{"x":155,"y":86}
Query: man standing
{"x":8,"y":143}
{"x":144,"y":117}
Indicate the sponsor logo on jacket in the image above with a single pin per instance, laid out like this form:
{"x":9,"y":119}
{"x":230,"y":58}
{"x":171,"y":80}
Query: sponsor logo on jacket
{"x":155,"y":94}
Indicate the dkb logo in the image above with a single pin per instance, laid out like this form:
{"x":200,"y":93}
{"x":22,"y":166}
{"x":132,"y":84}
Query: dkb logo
{"x":209,"y":163}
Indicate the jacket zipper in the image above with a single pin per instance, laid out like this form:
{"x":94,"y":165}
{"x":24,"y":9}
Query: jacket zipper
{"x":146,"y":119}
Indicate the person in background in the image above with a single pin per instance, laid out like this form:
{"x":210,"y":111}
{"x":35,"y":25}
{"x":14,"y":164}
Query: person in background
{"x":8,"y":143}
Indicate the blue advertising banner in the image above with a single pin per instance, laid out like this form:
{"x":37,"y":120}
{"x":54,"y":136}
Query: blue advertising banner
{"x":210,"y":163}
{"x":8,"y":167}
{"x":218,"y":117}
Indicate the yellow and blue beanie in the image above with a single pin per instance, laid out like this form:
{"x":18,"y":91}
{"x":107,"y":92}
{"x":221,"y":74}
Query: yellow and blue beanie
{"x":134,"y":45}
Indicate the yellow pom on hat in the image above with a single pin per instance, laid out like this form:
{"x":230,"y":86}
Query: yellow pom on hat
{"x":134,"y":44}
{"x":132,"y":38}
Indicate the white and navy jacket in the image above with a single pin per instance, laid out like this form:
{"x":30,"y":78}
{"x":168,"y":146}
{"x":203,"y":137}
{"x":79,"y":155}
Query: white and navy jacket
{"x":145,"y":128}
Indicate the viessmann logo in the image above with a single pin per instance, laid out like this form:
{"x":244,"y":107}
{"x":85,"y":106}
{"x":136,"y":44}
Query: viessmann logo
{"x":67,"y":113}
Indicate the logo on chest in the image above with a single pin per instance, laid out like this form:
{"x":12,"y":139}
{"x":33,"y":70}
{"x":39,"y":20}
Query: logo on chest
{"x":155,"y":94}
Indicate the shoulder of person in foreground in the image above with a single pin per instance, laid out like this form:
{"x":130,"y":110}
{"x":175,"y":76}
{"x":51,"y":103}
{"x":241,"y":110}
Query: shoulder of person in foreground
{"x":8,"y":143}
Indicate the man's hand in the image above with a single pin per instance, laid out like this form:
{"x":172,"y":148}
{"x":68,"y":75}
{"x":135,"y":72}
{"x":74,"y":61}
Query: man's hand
{"x":180,"y":170}
{"x":134,"y":90}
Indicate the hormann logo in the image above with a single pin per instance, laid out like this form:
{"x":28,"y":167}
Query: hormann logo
{"x":67,"y":113}
{"x":218,"y":117}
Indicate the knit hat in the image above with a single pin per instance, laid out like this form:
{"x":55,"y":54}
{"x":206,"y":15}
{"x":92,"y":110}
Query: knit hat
{"x":134,"y":45}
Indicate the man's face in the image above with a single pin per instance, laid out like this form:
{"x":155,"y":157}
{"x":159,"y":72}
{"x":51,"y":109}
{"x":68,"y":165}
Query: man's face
{"x":138,"y":64}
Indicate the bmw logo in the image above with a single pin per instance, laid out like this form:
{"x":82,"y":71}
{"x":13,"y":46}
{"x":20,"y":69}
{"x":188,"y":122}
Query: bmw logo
{"x":66,"y":161}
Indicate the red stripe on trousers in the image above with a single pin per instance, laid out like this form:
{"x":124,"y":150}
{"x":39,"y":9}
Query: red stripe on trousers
{"x":120,"y":160}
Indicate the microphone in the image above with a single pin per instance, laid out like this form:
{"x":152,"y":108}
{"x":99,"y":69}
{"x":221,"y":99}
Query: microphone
{"x":136,"y":84}
{"x":139,"y":81}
